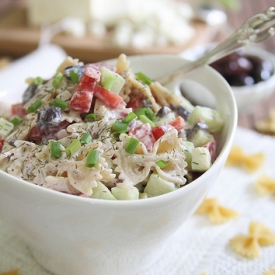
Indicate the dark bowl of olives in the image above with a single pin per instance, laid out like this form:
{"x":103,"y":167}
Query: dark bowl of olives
{"x":250,"y":72}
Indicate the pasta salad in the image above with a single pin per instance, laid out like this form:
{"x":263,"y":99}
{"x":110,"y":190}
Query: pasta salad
{"x":103,"y":131}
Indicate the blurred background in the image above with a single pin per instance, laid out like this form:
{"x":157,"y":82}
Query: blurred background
{"x":94,"y":30}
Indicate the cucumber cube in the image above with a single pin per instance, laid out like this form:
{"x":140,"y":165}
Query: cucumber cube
{"x":143,"y":196}
{"x":102,"y":192}
{"x":200,"y":138}
{"x":110,"y":80}
{"x":210,"y":116}
{"x":157,"y":186}
{"x":123,"y":193}
{"x":165,"y":119}
{"x":5,"y":127}
{"x":189,"y":146}
{"x":201,"y":159}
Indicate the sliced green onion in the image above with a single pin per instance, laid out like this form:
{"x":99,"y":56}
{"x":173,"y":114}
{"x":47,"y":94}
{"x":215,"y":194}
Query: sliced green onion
{"x":74,"y":76}
{"x":161,"y":163}
{"x":37,"y":81}
{"x":34,"y":106}
{"x":16,"y":121}
{"x":90,"y":118}
{"x":55,"y":148}
{"x":57,"y":80}
{"x":73,"y":147}
{"x":60,"y":103}
{"x":149,"y":113}
{"x":132,"y":146}
{"x":86,"y":138}
{"x":116,"y":135}
{"x":120,"y":127}
{"x":92,"y":158}
{"x":145,"y":111}
{"x":129,"y":117}
{"x":143,"y":78}
{"x":5,"y":127}
{"x":145,"y":119}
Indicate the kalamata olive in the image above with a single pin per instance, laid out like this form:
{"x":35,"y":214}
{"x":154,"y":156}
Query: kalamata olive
{"x":29,"y":92}
{"x":49,"y":117}
{"x":146,"y":103}
{"x":80,"y":70}
{"x":240,"y":69}
{"x":181,"y":111}
{"x":163,"y":111}
{"x":38,"y":136}
{"x":200,"y":125}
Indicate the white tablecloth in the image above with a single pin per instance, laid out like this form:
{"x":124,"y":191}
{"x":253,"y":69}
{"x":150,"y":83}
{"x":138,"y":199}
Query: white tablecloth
{"x":199,"y":246}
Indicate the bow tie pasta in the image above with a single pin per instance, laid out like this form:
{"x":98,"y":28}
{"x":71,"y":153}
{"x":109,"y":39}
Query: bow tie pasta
{"x":250,"y":245}
{"x":103,"y":131}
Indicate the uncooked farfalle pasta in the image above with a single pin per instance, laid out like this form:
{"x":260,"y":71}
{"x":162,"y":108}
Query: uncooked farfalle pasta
{"x":11,"y":272}
{"x":104,"y":131}
{"x":215,"y":212}
{"x":271,"y":271}
{"x":250,"y":245}
{"x":250,"y":162}
{"x":267,"y":126}
{"x":265,"y":185}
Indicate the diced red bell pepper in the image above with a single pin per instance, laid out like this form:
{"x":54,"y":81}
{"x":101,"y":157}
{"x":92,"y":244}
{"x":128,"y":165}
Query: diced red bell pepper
{"x":178,"y":123}
{"x":135,"y":102}
{"x":83,"y":95}
{"x":18,"y":110}
{"x":143,"y":133}
{"x":110,"y":98}
{"x":81,"y":101}
{"x":211,"y":146}
{"x":1,"y":144}
{"x":160,"y":130}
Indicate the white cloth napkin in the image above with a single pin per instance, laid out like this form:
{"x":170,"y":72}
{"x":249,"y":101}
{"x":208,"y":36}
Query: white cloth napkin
{"x":198,"y":246}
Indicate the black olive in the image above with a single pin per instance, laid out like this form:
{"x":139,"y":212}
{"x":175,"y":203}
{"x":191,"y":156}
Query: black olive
{"x":49,"y":117}
{"x":200,"y":125}
{"x":163,"y":111}
{"x":146,"y":103}
{"x":80,"y":70}
{"x":240,"y":69}
{"x":181,"y":111}
{"x":29,"y":92}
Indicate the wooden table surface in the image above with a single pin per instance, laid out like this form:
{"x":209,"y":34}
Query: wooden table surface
{"x":235,"y":19}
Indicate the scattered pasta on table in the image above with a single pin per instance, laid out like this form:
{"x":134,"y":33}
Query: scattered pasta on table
{"x":265,"y":185}
{"x":271,"y":271}
{"x":250,"y":245}
{"x":267,"y":126}
{"x":250,"y":162}
{"x":215,"y":212}
{"x":11,"y":272}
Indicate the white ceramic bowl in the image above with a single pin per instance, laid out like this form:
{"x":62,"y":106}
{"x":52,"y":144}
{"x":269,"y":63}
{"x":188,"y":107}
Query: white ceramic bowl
{"x":70,"y":235}
{"x":246,"y":96}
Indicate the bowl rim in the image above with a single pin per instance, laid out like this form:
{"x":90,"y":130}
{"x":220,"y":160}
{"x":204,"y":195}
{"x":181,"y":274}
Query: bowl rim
{"x":153,"y":201}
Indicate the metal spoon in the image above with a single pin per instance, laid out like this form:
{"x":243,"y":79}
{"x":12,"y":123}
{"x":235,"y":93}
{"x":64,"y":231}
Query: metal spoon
{"x":254,"y":30}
